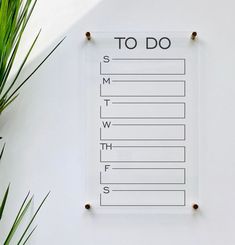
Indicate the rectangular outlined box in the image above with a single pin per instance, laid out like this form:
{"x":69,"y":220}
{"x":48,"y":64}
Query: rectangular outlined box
{"x":143,"y":176}
{"x":143,"y":197}
{"x":143,"y":110}
{"x":143,"y":88}
{"x":142,"y":132}
{"x":144,"y":66}
{"x":143,"y":154}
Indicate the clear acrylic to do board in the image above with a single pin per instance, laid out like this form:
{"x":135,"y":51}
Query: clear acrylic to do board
{"x":141,"y":121}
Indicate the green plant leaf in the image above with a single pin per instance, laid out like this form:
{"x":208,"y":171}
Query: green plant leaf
{"x":21,"y":67}
{"x":3,"y":204}
{"x":31,"y":74}
{"x":2,"y":151}
{"x":14,"y":17}
{"x":21,"y":213}
{"x":19,"y":217}
{"x":32,"y":219}
{"x":30,"y":234}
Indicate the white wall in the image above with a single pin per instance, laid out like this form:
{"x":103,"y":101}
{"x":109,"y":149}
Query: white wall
{"x":54,"y":18}
{"x":44,"y":133}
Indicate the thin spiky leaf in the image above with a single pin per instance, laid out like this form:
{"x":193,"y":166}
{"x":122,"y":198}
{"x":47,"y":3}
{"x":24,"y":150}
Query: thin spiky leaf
{"x":4,"y":200}
{"x":6,"y":104}
{"x":16,"y":19}
{"x":2,"y":151}
{"x":21,"y":214}
{"x":21,"y":66}
{"x":34,"y":216}
{"x":30,"y":234}
{"x":31,"y":74}
{"x":21,"y":207}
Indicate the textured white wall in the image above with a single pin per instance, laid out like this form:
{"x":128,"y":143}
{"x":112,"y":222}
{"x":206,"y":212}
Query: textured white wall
{"x":54,"y":17}
{"x":44,"y":132}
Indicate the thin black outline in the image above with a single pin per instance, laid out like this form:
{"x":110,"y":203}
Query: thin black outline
{"x":181,"y":139}
{"x":150,"y":96}
{"x":184,"y":147}
{"x":144,"y":80}
{"x":143,"y":168}
{"x":179,"y":59}
{"x":145,"y":190}
{"x":183,"y":117}
{"x":148,"y":58}
{"x":184,"y":175}
{"x":162,"y":205}
{"x":142,"y":102}
{"x":132,"y":183}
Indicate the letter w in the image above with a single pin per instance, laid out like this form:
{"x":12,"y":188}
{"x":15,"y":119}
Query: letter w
{"x":106,"y":124}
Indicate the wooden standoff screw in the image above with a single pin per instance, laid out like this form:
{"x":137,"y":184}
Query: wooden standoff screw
{"x":195,"y":206}
{"x":88,"y":36}
{"x":87,"y":206}
{"x":193,"y":35}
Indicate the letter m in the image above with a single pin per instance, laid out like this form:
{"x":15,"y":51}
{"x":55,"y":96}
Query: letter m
{"x":106,"y":80}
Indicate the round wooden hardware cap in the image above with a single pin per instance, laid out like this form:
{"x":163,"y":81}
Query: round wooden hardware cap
{"x":195,"y":206}
{"x":193,"y":36}
{"x":88,"y":35}
{"x":87,"y":206}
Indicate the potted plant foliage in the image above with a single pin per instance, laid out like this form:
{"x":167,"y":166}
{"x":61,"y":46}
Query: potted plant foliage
{"x":14,"y":16}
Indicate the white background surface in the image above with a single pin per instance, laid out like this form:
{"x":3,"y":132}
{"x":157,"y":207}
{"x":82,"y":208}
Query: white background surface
{"x":44,"y":132}
{"x":54,"y":18}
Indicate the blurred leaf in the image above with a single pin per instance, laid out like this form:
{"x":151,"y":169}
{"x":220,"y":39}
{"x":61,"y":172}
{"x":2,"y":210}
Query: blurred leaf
{"x":32,"y":219}
{"x":22,"y":211}
{"x":30,"y":234}
{"x":3,"y":148}
{"x":21,"y":214}
{"x":8,"y":101}
{"x":3,"y":204}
